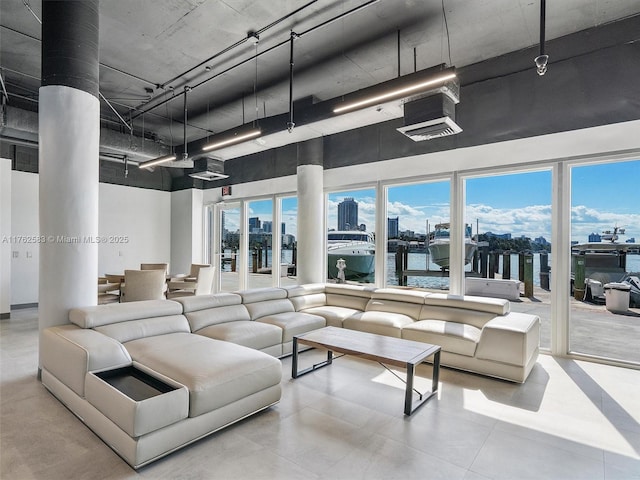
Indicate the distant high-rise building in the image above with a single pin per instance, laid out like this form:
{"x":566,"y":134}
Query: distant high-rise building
{"x":348,"y":214}
{"x":267,"y":226}
{"x":595,"y":237}
{"x":541,"y":241}
{"x":283,"y":229}
{"x":392,"y":227}
{"x":254,"y":224}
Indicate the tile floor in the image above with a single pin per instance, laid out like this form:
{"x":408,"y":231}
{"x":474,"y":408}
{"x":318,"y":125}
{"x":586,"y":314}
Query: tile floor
{"x":570,"y":420}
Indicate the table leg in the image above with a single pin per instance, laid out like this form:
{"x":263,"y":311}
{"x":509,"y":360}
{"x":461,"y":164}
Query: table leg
{"x":409,"y":408}
{"x":294,"y":362}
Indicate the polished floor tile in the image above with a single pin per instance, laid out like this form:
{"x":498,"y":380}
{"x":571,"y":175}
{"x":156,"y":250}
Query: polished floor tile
{"x":570,"y":420}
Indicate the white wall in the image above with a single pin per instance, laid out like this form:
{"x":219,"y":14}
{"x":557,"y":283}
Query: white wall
{"x":135,"y":222}
{"x":5,"y":236}
{"x":187,"y":229}
{"x":25,"y":230}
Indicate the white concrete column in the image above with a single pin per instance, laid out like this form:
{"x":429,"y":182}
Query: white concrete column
{"x":68,"y":170}
{"x":5,"y":237}
{"x":187,"y":229}
{"x":311,"y":267}
{"x":560,"y":258}
{"x":456,"y":242}
{"x":69,"y":138}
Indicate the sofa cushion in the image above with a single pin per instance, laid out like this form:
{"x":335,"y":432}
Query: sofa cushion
{"x":203,"y":302}
{"x":400,"y":295}
{"x":269,"y":307}
{"x":304,"y":302}
{"x":393,"y":306}
{"x":497,"y":306}
{"x":350,"y":290}
{"x":245,"y":332}
{"x":97,"y":315}
{"x":216,"y":373}
{"x":451,"y":336}
{"x":332,"y":314}
{"x":147,"y":327}
{"x":354,"y":302}
{"x":294,"y":323}
{"x":304,"y":290}
{"x":262,"y":294}
{"x":212,"y":316}
{"x":455,"y":314}
{"x":382,"y":323}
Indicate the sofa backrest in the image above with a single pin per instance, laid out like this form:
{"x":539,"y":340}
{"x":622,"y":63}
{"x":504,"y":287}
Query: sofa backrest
{"x":306,"y":296}
{"x":497,"y":306}
{"x":397,"y":301}
{"x":145,"y":327}
{"x":132,"y":320}
{"x":99,"y":315}
{"x":261,"y":302}
{"x":476,"y":311}
{"x":348,"y":296}
{"x":205,"y":310}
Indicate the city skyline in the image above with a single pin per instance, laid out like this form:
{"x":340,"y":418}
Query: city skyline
{"x":603,"y":196}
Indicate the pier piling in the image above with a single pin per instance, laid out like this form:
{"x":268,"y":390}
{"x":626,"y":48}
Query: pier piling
{"x":544,"y":270}
{"x":528,"y":274}
{"x":579,"y":264}
{"x":506,"y":265}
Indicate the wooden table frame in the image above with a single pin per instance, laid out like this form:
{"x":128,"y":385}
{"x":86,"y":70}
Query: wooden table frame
{"x":379,"y":348}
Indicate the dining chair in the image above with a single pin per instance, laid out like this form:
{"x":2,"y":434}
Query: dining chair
{"x":155,"y":266}
{"x":143,"y":285}
{"x":200,"y":285}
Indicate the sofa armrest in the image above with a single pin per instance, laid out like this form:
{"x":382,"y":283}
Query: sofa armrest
{"x":511,"y":338}
{"x":69,"y":352}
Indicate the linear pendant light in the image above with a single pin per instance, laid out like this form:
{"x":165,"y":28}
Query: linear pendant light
{"x":157,"y":161}
{"x":395,"y":93}
{"x":232,"y":140}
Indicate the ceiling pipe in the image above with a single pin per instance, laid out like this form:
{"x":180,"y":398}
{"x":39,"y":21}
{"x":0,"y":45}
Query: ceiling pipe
{"x":185,"y":155}
{"x":142,"y":110}
{"x":542,"y":59}
{"x":116,"y":112}
{"x":290,"y":123}
{"x":250,"y":36}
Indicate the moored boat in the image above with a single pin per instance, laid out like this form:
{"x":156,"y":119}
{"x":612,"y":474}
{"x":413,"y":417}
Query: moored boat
{"x":439,"y":245}
{"x":356,"y":248}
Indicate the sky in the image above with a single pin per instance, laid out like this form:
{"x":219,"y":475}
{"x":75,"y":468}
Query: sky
{"x":603,"y":196}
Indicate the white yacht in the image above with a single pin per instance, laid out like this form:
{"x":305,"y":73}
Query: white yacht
{"x":356,"y":248}
{"x":439,"y":245}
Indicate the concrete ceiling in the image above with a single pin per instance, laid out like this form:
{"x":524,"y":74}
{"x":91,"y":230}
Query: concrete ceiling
{"x":149,"y":48}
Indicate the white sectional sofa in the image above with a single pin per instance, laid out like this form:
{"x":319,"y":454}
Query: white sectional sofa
{"x":150,"y":377}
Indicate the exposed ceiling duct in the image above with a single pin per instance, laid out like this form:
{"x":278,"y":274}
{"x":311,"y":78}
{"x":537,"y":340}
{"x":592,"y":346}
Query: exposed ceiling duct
{"x":205,"y":168}
{"x":432,"y":114}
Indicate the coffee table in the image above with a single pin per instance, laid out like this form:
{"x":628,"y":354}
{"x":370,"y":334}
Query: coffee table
{"x":379,"y":348}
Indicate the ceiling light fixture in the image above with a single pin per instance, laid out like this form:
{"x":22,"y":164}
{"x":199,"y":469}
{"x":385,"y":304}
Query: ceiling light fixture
{"x":396,"y":93}
{"x":232,"y":140}
{"x":157,"y":161}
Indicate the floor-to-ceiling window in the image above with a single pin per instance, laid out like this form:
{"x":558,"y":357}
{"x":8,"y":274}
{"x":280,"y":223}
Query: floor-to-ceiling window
{"x":418,"y":217}
{"x":510,"y":215}
{"x":351,"y":222}
{"x":259,"y":228}
{"x":605,"y":261}
{"x":288,"y":208}
{"x":225,"y":246}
